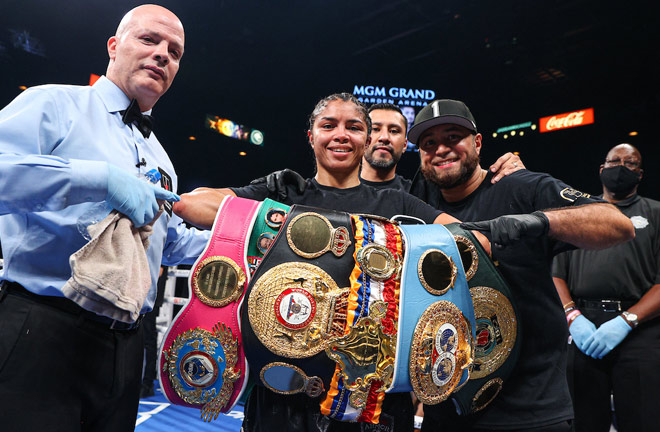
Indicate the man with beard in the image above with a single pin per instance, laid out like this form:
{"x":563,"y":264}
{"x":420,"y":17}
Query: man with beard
{"x":535,"y":397}
{"x":378,"y":168}
{"x":618,"y":290}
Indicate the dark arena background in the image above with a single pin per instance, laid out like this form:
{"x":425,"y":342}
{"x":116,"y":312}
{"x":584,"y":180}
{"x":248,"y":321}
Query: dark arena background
{"x":264,"y":64}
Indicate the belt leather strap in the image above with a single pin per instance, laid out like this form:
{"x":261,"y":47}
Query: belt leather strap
{"x":202,"y":361}
{"x":498,"y":331}
{"x":437,"y":321}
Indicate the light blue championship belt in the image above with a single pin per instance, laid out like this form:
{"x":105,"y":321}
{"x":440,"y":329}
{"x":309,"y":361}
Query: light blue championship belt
{"x":436,"y":328}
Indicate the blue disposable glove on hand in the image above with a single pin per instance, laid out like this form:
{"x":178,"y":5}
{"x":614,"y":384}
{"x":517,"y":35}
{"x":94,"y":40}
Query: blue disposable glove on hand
{"x":509,"y":229}
{"x":135,"y":198}
{"x":581,"y":328}
{"x":609,"y":335}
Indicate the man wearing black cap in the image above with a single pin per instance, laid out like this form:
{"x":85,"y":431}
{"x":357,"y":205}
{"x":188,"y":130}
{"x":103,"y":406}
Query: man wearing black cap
{"x":535,"y":397}
{"x":618,"y":290}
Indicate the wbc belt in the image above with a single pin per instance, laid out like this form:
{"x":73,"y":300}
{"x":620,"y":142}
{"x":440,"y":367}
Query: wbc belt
{"x":365,"y":353}
{"x":297,"y":300}
{"x":498,"y":332}
{"x":269,"y":220}
{"x":202,"y":362}
{"x":436,"y":321}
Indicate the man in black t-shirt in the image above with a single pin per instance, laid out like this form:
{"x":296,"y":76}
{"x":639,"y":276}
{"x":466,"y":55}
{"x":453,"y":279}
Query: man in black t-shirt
{"x":612,"y":302}
{"x":535,"y":397}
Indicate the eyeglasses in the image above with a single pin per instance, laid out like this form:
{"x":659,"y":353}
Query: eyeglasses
{"x":627,"y":163}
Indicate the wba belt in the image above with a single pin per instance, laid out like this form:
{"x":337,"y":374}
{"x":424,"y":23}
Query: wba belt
{"x":202,"y":362}
{"x":498,"y":331}
{"x":296,"y":301}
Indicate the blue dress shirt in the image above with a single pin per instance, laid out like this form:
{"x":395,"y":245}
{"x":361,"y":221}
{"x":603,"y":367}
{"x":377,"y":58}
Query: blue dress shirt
{"x":55,"y":144}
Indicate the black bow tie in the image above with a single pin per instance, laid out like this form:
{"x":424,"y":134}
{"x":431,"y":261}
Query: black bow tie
{"x":132,"y":114}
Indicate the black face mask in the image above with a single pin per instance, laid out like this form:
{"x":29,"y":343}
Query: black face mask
{"x":619,"y":179}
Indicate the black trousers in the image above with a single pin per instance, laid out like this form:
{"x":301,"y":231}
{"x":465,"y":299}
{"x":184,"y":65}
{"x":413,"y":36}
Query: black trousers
{"x":631,"y":372}
{"x":62,"y":372}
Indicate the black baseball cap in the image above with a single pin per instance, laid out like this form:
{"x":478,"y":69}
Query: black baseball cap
{"x":442,"y":111}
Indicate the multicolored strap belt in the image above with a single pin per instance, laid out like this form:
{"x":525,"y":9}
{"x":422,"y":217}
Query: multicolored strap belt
{"x":202,"y":362}
{"x":365,"y":353}
{"x":498,"y":331}
{"x":296,"y":301}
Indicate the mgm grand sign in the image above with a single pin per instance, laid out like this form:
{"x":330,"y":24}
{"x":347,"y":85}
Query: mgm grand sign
{"x":340,"y":307}
{"x":369,"y":94}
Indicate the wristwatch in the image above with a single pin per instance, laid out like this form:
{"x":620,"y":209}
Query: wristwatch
{"x":630,"y":318}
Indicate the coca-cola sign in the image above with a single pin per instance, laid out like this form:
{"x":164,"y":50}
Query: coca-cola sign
{"x":567,"y":120}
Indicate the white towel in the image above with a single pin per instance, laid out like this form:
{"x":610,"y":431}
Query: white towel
{"x":110,"y":274}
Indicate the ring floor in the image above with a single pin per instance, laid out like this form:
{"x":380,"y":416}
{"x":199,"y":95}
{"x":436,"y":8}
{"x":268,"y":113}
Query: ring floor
{"x":156,"y":414}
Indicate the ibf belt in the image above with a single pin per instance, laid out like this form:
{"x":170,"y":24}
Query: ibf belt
{"x":365,"y":353}
{"x":269,"y":220}
{"x":202,"y":362}
{"x":497,"y":340}
{"x":436,"y":316}
{"x":297,"y":300}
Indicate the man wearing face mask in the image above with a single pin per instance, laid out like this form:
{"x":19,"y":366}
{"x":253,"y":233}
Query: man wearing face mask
{"x":612,"y":303}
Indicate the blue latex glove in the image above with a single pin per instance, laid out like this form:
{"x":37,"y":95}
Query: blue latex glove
{"x":609,"y":335}
{"x":133,"y":197}
{"x":581,"y":328}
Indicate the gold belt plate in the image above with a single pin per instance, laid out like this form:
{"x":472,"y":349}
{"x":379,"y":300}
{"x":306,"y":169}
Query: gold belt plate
{"x":496,"y":330}
{"x":296,"y":309}
{"x":440,"y":352}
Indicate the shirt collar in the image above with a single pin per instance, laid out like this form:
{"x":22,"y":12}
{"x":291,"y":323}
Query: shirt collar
{"x":113,"y":97}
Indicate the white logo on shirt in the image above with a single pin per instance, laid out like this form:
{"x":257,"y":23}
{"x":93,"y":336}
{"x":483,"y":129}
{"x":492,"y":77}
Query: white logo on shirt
{"x":639,"y":222}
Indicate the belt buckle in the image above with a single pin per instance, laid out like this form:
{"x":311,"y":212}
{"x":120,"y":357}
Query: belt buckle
{"x":610,"y":305}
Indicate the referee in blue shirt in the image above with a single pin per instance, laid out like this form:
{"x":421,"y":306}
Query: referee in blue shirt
{"x":64,"y":149}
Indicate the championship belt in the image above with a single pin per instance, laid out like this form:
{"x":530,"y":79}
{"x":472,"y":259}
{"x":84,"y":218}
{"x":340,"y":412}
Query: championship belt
{"x":297,"y":300}
{"x":498,"y":331}
{"x":437,"y":321}
{"x":365,"y":353}
{"x":269,"y":220}
{"x":202,"y":362}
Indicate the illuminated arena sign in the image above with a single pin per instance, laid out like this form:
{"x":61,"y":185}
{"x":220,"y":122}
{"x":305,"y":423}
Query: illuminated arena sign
{"x":395,"y":95}
{"x":567,"y":120}
{"x":229,"y":128}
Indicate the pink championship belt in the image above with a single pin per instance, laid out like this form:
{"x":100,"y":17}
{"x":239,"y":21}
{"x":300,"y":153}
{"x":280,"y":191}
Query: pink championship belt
{"x":202,"y":361}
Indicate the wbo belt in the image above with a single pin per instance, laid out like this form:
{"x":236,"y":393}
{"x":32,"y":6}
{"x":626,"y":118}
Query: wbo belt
{"x":202,"y":362}
{"x":605,"y":305}
{"x":66,"y":305}
{"x":297,"y":299}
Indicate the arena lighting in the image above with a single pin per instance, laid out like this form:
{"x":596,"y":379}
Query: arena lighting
{"x":506,"y":136}
{"x":633,"y":133}
{"x":513,"y":133}
{"x":229,"y":128}
{"x":567,"y":120}
{"x":192,"y":138}
{"x":242,"y":154}
{"x":22,"y":87}
{"x":521,"y":133}
{"x":494,"y":134}
{"x":516,"y":127}
{"x":533,"y":127}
